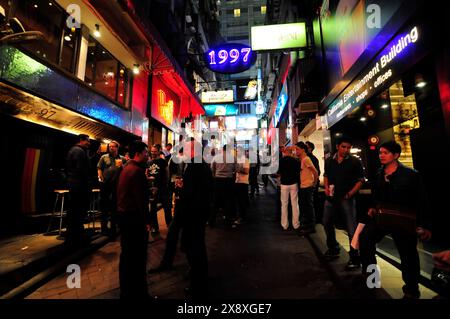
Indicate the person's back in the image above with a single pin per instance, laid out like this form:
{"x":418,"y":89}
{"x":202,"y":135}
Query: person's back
{"x":289,"y":170}
{"x":77,"y":166}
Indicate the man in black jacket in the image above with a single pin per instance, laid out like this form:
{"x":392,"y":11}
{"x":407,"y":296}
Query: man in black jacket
{"x":78,"y":168}
{"x":397,"y":186}
{"x":195,"y":199}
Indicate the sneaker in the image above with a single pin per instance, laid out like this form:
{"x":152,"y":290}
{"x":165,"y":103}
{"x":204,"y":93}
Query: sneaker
{"x":410,"y":294}
{"x":332,"y":254}
{"x":352,"y":264}
{"x":160,"y":268}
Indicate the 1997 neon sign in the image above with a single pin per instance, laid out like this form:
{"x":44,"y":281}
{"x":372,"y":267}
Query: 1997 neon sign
{"x":230,"y":58}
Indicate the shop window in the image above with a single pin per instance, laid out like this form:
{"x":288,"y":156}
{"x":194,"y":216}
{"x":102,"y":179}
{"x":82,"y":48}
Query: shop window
{"x":69,"y":48}
{"x":106,"y":74}
{"x":405,"y":118}
{"x":46,"y":17}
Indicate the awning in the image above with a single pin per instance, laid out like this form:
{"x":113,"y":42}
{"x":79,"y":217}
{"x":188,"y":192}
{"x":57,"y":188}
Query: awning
{"x":164,"y":67}
{"x":163,"y":63}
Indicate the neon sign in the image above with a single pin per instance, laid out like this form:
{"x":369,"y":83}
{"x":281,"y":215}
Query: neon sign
{"x":281,"y":103}
{"x":165,"y":108}
{"x":230,"y":58}
{"x":392,"y":60}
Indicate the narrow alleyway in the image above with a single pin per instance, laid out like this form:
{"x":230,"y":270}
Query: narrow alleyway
{"x":256,"y":260}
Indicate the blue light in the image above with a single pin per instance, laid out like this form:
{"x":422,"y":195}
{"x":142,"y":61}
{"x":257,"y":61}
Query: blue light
{"x":230,"y":58}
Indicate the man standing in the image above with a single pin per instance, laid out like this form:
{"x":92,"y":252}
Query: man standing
{"x":78,"y":166}
{"x":108,"y":168}
{"x":308,"y":181}
{"x":132,"y":207}
{"x":157,"y":175}
{"x":344,"y":176}
{"x":195,"y":199}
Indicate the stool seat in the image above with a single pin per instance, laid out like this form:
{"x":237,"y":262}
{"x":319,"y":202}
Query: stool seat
{"x":60,"y":197}
{"x":94,"y":208}
{"x":61,"y":191}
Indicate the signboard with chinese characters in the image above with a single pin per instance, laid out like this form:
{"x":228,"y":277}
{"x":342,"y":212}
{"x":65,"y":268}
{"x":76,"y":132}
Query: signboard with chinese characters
{"x":229,"y":58}
{"x":218,"y":96}
{"x":278,"y":36}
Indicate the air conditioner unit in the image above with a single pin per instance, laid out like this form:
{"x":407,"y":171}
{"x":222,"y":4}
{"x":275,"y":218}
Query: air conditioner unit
{"x":307,"y":107}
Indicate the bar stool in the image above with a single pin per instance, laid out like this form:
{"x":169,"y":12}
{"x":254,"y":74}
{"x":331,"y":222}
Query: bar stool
{"x":60,"y":197}
{"x":94,"y":205}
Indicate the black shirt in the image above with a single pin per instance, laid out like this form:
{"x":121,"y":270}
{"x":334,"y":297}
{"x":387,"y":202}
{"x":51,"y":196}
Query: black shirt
{"x":403,"y":188}
{"x":343,"y":175}
{"x":289,"y":170}
{"x":157,"y":169}
{"x":315,"y":162}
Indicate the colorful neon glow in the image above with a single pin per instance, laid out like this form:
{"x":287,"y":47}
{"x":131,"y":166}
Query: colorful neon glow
{"x":165,"y":107}
{"x":230,"y":58}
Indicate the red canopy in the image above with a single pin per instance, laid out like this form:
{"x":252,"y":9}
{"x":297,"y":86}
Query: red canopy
{"x":163,"y":66}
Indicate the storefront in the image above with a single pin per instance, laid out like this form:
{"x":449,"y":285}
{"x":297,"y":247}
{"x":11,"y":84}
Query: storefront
{"x":174,"y":108}
{"x":401,"y":95}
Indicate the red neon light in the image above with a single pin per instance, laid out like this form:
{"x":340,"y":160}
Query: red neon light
{"x":165,"y":108}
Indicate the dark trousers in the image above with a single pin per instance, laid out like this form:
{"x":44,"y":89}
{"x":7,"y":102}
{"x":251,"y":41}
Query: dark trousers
{"x":347,"y":207}
{"x":307,"y":212}
{"x":79,"y":204}
{"x":133,"y":256}
{"x":241,"y":199}
{"x":173,"y":234}
{"x":253,"y":181}
{"x":193,"y":239}
{"x":160,"y":198}
{"x":108,"y":206}
{"x":407,"y":248}
{"x":224,"y":198}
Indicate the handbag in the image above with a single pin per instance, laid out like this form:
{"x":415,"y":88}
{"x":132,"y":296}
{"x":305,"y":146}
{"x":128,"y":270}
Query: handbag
{"x":394,"y":218}
{"x":440,"y":280}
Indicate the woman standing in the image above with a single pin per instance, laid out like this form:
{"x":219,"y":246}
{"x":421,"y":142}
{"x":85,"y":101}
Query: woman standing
{"x":399,"y":186}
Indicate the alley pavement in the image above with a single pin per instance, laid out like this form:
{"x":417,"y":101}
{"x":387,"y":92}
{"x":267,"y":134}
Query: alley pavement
{"x":256,"y":260}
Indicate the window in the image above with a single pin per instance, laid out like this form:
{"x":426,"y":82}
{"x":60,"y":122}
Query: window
{"x":59,"y":45}
{"x":244,"y":108}
{"x":69,"y":48}
{"x":263,"y":9}
{"x":237,"y":13}
{"x":106,"y":74}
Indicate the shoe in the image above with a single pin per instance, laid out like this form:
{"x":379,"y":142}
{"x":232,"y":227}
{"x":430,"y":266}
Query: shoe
{"x":410,"y":294}
{"x":352,"y":264}
{"x":332,"y":254}
{"x":160,"y":268}
{"x":155,"y":233}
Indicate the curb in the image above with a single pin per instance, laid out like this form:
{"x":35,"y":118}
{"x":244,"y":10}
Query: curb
{"x":38,"y":280}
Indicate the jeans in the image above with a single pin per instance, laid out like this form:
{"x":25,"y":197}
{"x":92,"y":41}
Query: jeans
{"x":330,"y":211}
{"x":308,"y":216}
{"x":407,"y":248}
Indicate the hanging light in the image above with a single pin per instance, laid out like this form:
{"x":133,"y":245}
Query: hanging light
{"x":97,"y":33}
{"x":136,"y":69}
{"x":420,"y":82}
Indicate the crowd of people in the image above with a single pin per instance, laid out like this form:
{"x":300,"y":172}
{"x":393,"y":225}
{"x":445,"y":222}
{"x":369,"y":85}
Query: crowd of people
{"x":193,"y":193}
